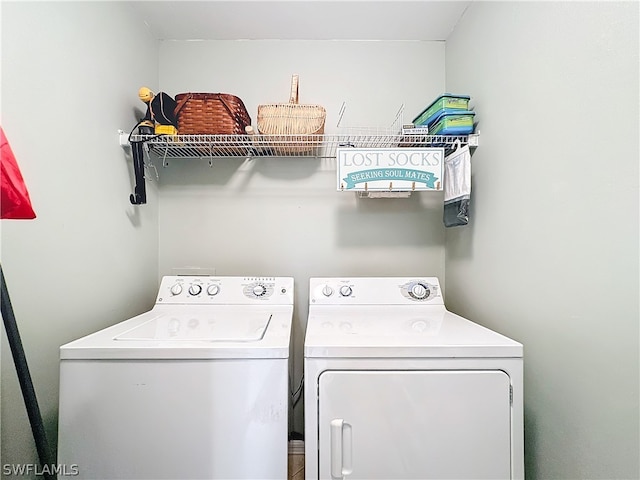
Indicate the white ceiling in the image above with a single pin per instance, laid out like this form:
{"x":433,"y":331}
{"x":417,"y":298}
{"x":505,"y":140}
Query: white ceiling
{"x":300,"y":19}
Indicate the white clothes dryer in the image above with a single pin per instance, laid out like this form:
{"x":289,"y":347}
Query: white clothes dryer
{"x":397,"y":387}
{"x":195,"y":388}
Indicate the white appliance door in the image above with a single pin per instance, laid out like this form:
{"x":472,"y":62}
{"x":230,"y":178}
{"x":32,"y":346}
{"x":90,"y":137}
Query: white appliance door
{"x":414,"y":425}
{"x":174,"y":419}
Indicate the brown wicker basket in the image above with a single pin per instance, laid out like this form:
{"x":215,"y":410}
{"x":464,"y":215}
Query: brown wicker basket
{"x":299,"y":124}
{"x":211,"y":114}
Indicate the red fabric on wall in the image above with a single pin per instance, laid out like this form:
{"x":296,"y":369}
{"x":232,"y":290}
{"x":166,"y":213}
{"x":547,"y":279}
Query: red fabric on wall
{"x":14,"y":201}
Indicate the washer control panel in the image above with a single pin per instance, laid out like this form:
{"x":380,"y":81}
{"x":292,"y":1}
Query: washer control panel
{"x":374,"y":291}
{"x":419,"y":290}
{"x":259,"y":288}
{"x":225,"y":290}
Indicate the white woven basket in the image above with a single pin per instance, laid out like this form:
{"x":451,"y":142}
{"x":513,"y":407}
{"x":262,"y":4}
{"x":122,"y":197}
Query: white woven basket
{"x":299,"y":123}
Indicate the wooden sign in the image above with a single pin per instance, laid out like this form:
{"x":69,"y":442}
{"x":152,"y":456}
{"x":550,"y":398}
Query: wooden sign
{"x":389,"y":169}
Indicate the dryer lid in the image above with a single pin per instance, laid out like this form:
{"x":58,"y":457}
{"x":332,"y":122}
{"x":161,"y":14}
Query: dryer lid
{"x":398,"y":331}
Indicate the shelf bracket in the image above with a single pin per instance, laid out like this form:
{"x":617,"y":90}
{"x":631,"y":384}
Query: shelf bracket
{"x":123,"y":139}
{"x":210,"y":156}
{"x":165,"y":164}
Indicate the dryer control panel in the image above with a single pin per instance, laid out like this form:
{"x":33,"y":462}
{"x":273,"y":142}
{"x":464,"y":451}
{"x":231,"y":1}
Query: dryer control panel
{"x":375,"y":291}
{"x":225,"y":290}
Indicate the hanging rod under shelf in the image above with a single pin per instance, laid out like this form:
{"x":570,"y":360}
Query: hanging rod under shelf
{"x":318,"y":146}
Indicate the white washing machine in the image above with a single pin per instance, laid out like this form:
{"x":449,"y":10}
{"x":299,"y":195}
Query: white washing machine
{"x":195,"y":388}
{"x":397,"y":387}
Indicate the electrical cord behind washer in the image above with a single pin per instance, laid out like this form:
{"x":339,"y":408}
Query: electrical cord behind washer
{"x":297,"y":395}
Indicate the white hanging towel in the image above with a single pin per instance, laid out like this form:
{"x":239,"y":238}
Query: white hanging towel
{"x":457,"y":186}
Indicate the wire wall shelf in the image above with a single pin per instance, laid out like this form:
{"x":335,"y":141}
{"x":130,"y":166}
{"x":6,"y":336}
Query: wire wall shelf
{"x":166,"y":147}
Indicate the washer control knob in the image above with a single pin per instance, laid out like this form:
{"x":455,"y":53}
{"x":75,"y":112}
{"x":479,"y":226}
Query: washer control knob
{"x":420,"y":291}
{"x":195,"y":289}
{"x":213,"y":290}
{"x":346,"y":290}
{"x":327,"y":291}
{"x":259,"y":290}
{"x":176,"y":289}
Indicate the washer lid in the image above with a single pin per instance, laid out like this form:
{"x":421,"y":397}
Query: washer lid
{"x":400,"y":332}
{"x":191,"y":331}
{"x":210,"y":326}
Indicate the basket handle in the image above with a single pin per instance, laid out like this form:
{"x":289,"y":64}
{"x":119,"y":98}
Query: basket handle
{"x":293,"y":96}
{"x":236,"y":116}
{"x":181,"y":103}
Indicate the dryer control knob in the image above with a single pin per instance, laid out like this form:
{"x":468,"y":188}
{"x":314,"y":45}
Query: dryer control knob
{"x":259,"y":290}
{"x":195,"y":289}
{"x":420,"y":291}
{"x":346,"y":290}
{"x":213,"y":290}
{"x":176,"y":289}
{"x":327,"y":291}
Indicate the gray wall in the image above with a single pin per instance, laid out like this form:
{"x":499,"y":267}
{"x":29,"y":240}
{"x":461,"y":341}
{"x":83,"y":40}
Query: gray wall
{"x":90,"y":257}
{"x":284,"y":216}
{"x":551,"y":255}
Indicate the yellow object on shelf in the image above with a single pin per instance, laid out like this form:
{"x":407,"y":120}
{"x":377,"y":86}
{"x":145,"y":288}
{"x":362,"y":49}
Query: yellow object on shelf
{"x":166,"y":130}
